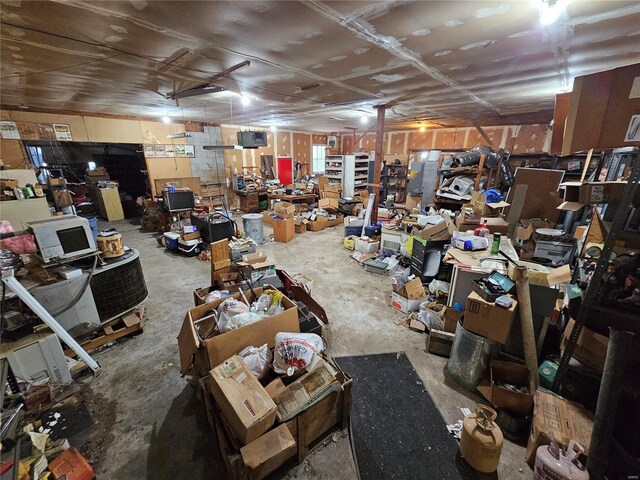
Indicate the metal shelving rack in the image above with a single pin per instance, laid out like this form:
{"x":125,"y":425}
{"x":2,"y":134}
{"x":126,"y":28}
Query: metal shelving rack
{"x":394,"y":181}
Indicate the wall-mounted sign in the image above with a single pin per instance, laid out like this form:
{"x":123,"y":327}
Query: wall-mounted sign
{"x":46,"y":131}
{"x":28,"y":130}
{"x":63,"y":132}
{"x":189,"y":151}
{"x":9,"y":130}
{"x":169,"y":151}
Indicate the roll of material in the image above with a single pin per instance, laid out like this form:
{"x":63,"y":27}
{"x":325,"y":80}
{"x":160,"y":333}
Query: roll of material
{"x":110,"y":243}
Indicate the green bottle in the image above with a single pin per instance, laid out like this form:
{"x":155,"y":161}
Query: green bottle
{"x":495,"y":246}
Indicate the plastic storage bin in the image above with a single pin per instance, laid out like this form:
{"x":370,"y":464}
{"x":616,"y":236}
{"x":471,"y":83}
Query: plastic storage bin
{"x":171,"y":241}
{"x":190,"y":248}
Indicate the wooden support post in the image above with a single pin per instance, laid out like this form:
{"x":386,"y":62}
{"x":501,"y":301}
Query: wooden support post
{"x":483,"y":134}
{"x":526,"y":320}
{"x":377,"y":164}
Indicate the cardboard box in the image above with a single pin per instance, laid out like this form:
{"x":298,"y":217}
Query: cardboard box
{"x":229,"y":280}
{"x":557,"y":418}
{"x":412,"y":290}
{"x":190,"y":236}
{"x":301,"y":225}
{"x":197,"y":356}
{"x":283,"y":230}
{"x":601,"y":192}
{"x":284,"y":209}
{"x":591,"y":348}
{"x":323,"y":222}
{"x":404,"y":304}
{"x":243,"y":401}
{"x":514,"y":374}
{"x":200,"y":294}
{"x":8,"y":184}
{"x":451,"y":319}
{"x":268,"y":452}
{"x":496,"y":225}
{"x":487,"y":319}
{"x":267,"y":217}
{"x":442,"y":231}
{"x":328,"y":203}
{"x":257,"y":265}
{"x":367,"y":245}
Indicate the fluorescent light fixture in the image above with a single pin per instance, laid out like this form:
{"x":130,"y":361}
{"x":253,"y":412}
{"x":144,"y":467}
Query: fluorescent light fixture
{"x":273,"y":128}
{"x":179,"y":135}
{"x":92,"y":165}
{"x":166,"y":119}
{"x":364,"y":120}
{"x":245,"y":100}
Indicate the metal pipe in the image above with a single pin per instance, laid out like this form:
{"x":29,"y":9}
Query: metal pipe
{"x":608,"y":398}
{"x":526,"y":322}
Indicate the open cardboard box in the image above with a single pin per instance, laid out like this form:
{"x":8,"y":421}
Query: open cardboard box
{"x":591,"y":348}
{"x":198,"y":356}
{"x":511,"y":373}
{"x":441,"y":231}
{"x":409,"y":297}
{"x":328,"y":203}
{"x":257,"y":265}
{"x":487,"y":319}
{"x":321,"y":223}
{"x":284,"y":209}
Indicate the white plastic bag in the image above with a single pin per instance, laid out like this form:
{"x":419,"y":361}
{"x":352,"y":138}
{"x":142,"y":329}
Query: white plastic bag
{"x":227,"y":310}
{"x":216,"y":294}
{"x":295,"y":351}
{"x":237,"y":321}
{"x":430,"y":316}
{"x":257,"y":359}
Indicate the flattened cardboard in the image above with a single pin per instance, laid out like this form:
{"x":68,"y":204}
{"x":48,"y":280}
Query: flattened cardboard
{"x":275,"y":388}
{"x":557,"y":418}
{"x":268,"y":452}
{"x":244,"y":402}
{"x":413,"y":289}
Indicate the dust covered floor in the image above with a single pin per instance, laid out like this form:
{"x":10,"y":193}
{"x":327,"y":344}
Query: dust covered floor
{"x":147,"y":420}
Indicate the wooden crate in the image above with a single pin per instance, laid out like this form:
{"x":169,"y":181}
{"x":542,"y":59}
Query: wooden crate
{"x":308,"y":428}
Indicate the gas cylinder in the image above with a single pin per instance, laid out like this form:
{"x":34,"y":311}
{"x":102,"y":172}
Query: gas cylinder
{"x":553,"y":463}
{"x":481,"y":439}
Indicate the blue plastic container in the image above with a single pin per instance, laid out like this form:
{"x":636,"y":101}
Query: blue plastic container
{"x":171,"y":241}
{"x":373,"y":230}
{"x":93,"y":224}
{"x":357,"y":231}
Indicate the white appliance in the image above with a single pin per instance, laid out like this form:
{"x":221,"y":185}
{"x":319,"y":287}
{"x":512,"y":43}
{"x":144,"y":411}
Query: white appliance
{"x":63,"y":237}
{"x":37,"y":358}
{"x":80,"y":318}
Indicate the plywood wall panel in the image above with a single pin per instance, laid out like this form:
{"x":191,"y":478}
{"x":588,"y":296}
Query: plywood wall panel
{"x":283,"y":139}
{"x":396,"y":142}
{"x":531,"y":139}
{"x":168,"y":168}
{"x":318,"y":139}
{"x":302,"y":148}
{"x":446,"y":139}
{"x":113,"y":130}
{"x":13,"y":154}
{"x":76,"y":122}
{"x":347,"y":144}
{"x":420,"y":140}
{"x":157,"y":132}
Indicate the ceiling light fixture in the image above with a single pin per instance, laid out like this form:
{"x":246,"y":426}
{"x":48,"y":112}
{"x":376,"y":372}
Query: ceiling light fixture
{"x":364,"y":120}
{"x":550,"y":10}
{"x":245,"y":100}
{"x":423,"y":128}
{"x":273,"y":128}
{"x":179,"y":135}
{"x":166,"y":119}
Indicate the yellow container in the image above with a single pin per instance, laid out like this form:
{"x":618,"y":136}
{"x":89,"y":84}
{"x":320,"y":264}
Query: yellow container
{"x":481,"y":439}
{"x":349,"y":243}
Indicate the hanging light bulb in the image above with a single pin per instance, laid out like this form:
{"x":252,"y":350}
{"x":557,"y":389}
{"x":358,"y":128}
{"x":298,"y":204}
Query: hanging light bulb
{"x":273,"y":128}
{"x":166,"y":119}
{"x":364,"y":120}
{"x":245,"y":100}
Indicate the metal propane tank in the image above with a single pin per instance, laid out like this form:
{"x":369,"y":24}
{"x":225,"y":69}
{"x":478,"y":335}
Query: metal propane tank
{"x":553,"y":463}
{"x":481,"y":439}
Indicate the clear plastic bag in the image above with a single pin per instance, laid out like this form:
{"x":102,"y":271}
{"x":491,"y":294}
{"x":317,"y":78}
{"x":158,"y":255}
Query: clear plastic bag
{"x":228,"y":309}
{"x":430,"y":315}
{"x":238,"y":321}
{"x":216,"y":294}
{"x":295,"y":351}
{"x":257,"y":359}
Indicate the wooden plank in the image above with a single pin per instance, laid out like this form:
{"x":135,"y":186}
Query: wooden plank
{"x":107,"y":338}
{"x":587,"y":162}
{"x":483,"y":134}
{"x":219,"y":251}
{"x":479,"y":174}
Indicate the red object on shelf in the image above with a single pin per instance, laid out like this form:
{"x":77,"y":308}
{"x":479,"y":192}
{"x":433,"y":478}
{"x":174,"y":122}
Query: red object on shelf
{"x":5,"y":466}
{"x":73,"y":465}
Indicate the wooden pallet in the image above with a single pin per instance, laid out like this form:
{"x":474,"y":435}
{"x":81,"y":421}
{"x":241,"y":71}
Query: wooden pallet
{"x":124,"y":326}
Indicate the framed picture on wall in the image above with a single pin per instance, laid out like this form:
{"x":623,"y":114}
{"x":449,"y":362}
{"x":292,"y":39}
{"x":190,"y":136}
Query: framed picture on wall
{"x":63,"y":132}
{"x":9,"y":130}
{"x":46,"y":131}
{"x":149,"y":151}
{"x":28,"y":130}
{"x":189,"y":151}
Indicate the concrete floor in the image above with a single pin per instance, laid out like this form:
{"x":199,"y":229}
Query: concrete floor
{"x":148,"y":423}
